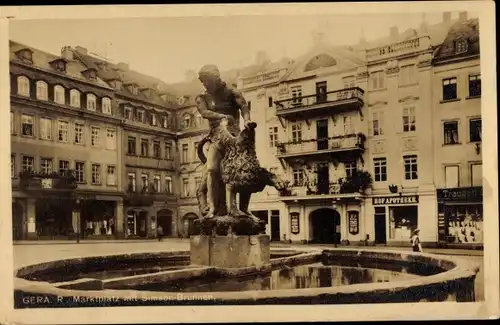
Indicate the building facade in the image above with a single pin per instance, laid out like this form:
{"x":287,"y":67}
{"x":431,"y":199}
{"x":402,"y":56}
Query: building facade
{"x":65,"y":157}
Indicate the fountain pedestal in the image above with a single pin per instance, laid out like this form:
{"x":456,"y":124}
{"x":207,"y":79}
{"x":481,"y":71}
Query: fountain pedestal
{"x":230,"y":251}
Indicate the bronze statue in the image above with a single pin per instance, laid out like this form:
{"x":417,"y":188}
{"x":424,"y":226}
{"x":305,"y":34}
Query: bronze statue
{"x":232,"y":166}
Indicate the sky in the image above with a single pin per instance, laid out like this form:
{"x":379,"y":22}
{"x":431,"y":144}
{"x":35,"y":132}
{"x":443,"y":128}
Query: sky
{"x":167,"y":47}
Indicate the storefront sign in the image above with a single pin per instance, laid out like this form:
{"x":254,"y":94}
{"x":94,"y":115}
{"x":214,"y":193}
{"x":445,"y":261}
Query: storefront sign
{"x":353,"y":222}
{"x":466,"y":194}
{"x":294,"y":223}
{"x":385,"y":200}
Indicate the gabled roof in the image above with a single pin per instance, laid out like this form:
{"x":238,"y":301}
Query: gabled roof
{"x":42,"y":61}
{"x":468,"y":31}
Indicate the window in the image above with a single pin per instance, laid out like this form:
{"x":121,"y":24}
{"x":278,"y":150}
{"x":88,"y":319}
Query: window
{"x":12,"y":166}
{"x":42,"y":90}
{"x":111,"y":175}
{"x":450,"y":88}
{"x":106,"y":106}
{"x":156,"y":149}
{"x":145,"y":183}
{"x":111,"y":139}
{"x":407,"y":75}
{"x":298,"y":177}
{"x":195,"y":153}
{"x":296,"y":133}
{"x":144,"y":147}
{"x":348,"y":127}
{"x":63,"y":167}
{"x":461,"y":47}
{"x":475,"y":85}
{"x":377,"y":80}
{"x":380,"y":165}
{"x":131,"y":182}
{"x":296,"y":95}
{"x":377,"y":122}
{"x":95,"y":137}
{"x":127,"y":112}
{"x":475,"y":130}
{"x":164,"y":121}
{"x":270,"y":101}
{"x":185,"y":187}
{"x":186,"y":121}
{"x":12,"y":123}
{"x":350,"y":168}
{"x":450,"y":132}
{"x":168,"y":151}
{"x":74,"y":98}
{"x":63,"y":130}
{"x":91,"y":102}
{"x":45,"y":128}
{"x":156,"y":183}
{"x":140,"y":116}
{"x":79,"y":132}
{"x":46,"y":166}
{"x":168,"y":184}
{"x":80,"y":172}
{"x":28,"y":164}
{"x":476,"y":174}
{"x":59,"y":96}
{"x":184,"y":157}
{"x":27,"y":125}
{"x":23,"y":86}
{"x":197,"y":182}
{"x":451,"y":176}
{"x":96,"y":174}
{"x":273,"y":136}
{"x":131,"y":145}
{"x":410,"y":164}
{"x":153,"y":119}
{"x":409,"y":119}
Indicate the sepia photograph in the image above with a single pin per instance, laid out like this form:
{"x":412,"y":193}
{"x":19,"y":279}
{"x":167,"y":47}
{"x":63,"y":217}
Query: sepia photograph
{"x":323,"y":158}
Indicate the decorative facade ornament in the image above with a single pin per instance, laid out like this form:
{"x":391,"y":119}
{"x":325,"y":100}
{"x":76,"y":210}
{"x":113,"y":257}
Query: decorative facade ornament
{"x":392,"y":66}
{"x":424,"y":60}
{"x":410,"y":144}
{"x":408,"y":99}
{"x":378,"y":146}
{"x":377,"y":103}
{"x":362,"y":73}
{"x":261,"y":93}
{"x":283,"y":89}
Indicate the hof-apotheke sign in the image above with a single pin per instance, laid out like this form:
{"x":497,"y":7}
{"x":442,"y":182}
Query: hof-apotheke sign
{"x":386,"y":200}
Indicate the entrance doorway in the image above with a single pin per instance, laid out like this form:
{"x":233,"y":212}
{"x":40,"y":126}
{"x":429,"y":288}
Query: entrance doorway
{"x":275,"y":225}
{"x":164,"y":219}
{"x":17,"y":221}
{"x":323,"y":178}
{"x":137,"y":223}
{"x":322,"y":134}
{"x":380,"y":226}
{"x":321,"y":90}
{"x":325,"y":226}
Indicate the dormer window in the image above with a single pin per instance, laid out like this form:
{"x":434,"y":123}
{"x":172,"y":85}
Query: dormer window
{"x":23,"y":86}
{"x":106,"y":105}
{"x":461,"y":46}
{"x":42,"y":90}
{"x":59,"y":65}
{"x":164,"y":121}
{"x":140,"y":115}
{"x":186,"y":121}
{"x":59,"y":96}
{"x":127,"y":112}
{"x":147,"y":92}
{"x":91,"y":102}
{"x":90,"y":74}
{"x":135,"y":90}
{"x":74,"y":98}
{"x":25,"y":55}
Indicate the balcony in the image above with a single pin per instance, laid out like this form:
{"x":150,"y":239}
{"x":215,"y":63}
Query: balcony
{"x":349,"y":144}
{"x":46,"y":183}
{"x":401,"y":48}
{"x":327,"y":104}
{"x":159,"y":163}
{"x":146,"y":196}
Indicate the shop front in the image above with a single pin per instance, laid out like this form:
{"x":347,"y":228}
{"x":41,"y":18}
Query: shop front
{"x":460,"y":216}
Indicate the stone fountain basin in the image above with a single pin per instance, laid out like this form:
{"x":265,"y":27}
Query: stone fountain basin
{"x":454,"y":282}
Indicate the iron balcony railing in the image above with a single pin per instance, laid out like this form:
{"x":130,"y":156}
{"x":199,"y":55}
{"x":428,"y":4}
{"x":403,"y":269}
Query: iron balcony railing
{"x":331,"y":97}
{"x":315,"y":146}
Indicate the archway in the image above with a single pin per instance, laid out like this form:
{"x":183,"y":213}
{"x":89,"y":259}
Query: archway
{"x":17,"y":221}
{"x":164,"y":219}
{"x":325,"y":226}
{"x":188,"y":223}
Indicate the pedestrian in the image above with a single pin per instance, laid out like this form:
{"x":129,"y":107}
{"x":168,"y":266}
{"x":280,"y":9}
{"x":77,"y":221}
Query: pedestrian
{"x":159,"y":231}
{"x":415,"y":241}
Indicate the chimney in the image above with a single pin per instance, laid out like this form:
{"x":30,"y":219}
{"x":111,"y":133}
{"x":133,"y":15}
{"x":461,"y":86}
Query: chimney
{"x":446,"y":17}
{"x":67,"y":53}
{"x":81,"y":50}
{"x":462,"y":16}
{"x":394,"y":31}
{"x":122,"y":66}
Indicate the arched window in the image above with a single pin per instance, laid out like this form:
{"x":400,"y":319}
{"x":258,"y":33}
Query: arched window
{"x":186,"y":121}
{"x":23,"y":86}
{"x":75,"y":98}
{"x":41,"y":90}
{"x":320,"y":61}
{"x":106,"y":105}
{"x":91,"y":102}
{"x":59,"y":95}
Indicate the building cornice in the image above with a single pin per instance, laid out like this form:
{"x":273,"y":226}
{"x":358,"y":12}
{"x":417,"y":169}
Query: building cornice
{"x":150,"y":131}
{"x":438,"y":62}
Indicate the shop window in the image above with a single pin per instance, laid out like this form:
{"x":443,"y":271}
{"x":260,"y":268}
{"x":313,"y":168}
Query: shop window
{"x":403,"y":220}
{"x":464,"y":224}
